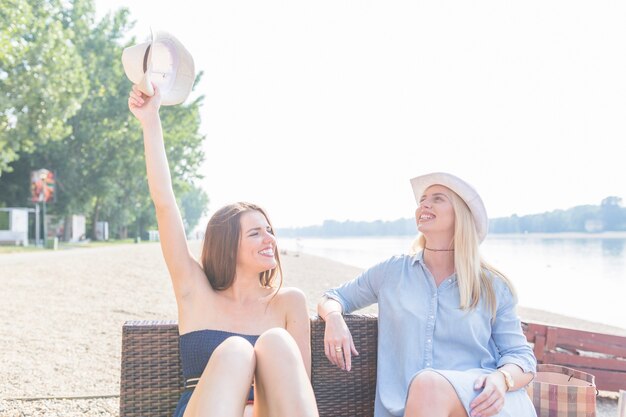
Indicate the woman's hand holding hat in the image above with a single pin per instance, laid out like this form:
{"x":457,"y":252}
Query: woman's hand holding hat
{"x":164,"y":61}
{"x":144,"y":108}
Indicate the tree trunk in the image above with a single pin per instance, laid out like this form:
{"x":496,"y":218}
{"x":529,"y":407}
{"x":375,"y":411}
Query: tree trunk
{"x":94,"y":219}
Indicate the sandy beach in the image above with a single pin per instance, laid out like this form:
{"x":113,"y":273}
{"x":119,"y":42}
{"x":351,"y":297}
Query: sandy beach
{"x":62,"y":315}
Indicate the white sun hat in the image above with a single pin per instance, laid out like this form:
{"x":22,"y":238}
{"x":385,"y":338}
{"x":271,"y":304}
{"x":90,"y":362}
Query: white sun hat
{"x":463,"y":189}
{"x":164,"y":61}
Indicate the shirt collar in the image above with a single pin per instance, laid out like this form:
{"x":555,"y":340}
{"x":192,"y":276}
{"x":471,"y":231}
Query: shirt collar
{"x":418,"y":257}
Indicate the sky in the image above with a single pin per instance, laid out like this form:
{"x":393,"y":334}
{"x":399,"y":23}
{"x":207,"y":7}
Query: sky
{"x":325,"y":109}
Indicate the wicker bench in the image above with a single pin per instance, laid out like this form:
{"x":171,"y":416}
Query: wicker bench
{"x":151,"y":374}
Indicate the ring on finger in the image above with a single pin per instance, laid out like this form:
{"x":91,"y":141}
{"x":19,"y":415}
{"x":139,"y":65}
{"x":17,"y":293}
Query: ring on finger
{"x":338,"y":349}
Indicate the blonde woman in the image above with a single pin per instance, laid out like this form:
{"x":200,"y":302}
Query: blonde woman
{"x":244,"y":341}
{"x":449,"y":341}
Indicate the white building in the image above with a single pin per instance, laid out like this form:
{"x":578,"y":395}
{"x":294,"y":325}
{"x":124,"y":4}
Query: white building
{"x":14,"y":225}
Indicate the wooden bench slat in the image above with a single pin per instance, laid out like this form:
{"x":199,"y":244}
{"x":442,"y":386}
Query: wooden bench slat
{"x":551,"y":344}
{"x":576,"y":361}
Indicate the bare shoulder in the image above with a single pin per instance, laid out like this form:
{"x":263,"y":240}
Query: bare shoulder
{"x":294,"y":309}
{"x":291,"y":298}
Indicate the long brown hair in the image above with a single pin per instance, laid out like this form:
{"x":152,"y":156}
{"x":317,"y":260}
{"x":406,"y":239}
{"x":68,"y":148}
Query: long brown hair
{"x":221,"y":244}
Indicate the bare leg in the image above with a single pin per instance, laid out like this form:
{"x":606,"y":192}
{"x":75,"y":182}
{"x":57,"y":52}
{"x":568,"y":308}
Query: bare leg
{"x":225,"y":383}
{"x":282,"y":386}
{"x":431,"y":395}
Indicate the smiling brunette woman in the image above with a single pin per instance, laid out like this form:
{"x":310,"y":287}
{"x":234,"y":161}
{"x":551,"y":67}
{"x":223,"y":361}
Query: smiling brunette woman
{"x":449,"y":341}
{"x":244,"y":342}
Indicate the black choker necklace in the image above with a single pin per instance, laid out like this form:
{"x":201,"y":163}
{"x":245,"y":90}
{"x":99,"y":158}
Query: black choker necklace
{"x":439,"y":250}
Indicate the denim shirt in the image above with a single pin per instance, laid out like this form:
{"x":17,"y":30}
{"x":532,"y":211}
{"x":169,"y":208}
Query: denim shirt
{"x":422,"y":326}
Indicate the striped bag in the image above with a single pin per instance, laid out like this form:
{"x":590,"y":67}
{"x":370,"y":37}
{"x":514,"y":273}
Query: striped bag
{"x":558,"y":391}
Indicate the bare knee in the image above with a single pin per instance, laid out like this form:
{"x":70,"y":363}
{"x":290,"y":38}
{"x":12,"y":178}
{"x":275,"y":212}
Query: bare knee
{"x":277,"y":343}
{"x":234,"y":350}
{"x":431,"y":393}
{"x":426,"y":386}
{"x":275,"y":337}
{"x":282,"y":383}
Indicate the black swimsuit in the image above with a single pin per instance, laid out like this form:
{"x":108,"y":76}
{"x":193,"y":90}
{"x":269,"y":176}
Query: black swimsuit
{"x":195,"y":350}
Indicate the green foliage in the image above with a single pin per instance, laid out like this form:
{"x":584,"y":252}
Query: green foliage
{"x":97,"y":152}
{"x":612,"y":214}
{"x":42,"y":78}
{"x":193,"y":205}
{"x":609,"y":216}
{"x":4,"y":220}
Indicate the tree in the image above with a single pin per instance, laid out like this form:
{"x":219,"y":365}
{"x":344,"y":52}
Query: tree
{"x":99,"y":163}
{"x":612,"y":214}
{"x":103,"y":157}
{"x":42,"y":79}
{"x":194,"y":205}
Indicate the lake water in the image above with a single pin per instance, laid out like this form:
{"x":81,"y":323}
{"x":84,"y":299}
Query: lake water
{"x":576,"y":276}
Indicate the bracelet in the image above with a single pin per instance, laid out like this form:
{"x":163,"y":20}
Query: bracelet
{"x":508,"y":379}
{"x":334,"y":311}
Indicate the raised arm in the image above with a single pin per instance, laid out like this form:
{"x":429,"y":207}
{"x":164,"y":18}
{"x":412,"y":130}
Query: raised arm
{"x":180,"y":262}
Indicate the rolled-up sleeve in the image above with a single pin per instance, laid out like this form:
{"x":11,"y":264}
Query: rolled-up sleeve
{"x":508,"y":335}
{"x":361,"y":291}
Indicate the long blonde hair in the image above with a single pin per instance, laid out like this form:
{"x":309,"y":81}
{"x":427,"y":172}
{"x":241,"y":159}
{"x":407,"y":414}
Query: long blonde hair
{"x":474,"y":275}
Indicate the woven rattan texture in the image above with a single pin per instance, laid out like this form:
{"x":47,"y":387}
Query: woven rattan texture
{"x":151,"y":374}
{"x":340,"y":393}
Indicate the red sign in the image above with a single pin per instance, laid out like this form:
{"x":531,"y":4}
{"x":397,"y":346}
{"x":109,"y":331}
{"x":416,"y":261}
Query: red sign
{"x":42,"y":185}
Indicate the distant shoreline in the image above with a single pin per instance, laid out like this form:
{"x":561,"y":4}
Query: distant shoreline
{"x":491,"y":235}
{"x":563,"y":235}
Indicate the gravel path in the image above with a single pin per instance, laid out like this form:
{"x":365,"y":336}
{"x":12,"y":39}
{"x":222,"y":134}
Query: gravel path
{"x":62,"y":314}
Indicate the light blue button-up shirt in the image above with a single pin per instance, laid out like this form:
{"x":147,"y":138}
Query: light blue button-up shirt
{"x":422,"y":326}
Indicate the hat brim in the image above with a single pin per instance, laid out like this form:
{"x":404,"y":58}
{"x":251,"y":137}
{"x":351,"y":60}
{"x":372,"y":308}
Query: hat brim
{"x":132,"y":61}
{"x":460,"y":187}
{"x":172,"y":52}
{"x":168,"y":65}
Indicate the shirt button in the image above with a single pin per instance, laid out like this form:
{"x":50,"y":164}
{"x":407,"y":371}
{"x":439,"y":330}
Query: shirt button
{"x":428,"y":340}
{"x":427,"y":363}
{"x":432,"y":317}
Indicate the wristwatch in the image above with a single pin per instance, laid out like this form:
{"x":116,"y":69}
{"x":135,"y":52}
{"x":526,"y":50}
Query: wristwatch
{"x":508,"y":379}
